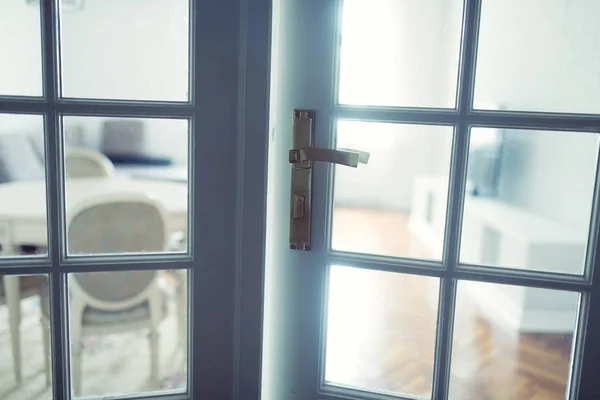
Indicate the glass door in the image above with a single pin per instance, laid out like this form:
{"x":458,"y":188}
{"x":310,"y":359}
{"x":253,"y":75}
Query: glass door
{"x":118,"y":198}
{"x":458,"y":263}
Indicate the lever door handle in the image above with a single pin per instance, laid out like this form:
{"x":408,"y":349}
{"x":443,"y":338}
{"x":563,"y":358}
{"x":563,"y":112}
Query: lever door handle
{"x":301,"y":157}
{"x":350,"y":158}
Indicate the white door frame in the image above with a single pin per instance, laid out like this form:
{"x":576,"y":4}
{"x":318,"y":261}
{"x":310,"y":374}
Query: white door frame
{"x":251,"y":228}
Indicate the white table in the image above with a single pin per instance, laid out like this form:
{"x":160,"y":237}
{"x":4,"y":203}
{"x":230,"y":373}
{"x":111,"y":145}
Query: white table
{"x":23,"y":204}
{"x":23,"y":221}
{"x":174,"y":173}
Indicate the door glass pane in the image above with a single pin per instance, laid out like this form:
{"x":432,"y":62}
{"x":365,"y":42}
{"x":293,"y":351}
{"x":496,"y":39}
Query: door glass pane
{"x":20,"y":48}
{"x":536,"y":56}
{"x":396,"y":204}
{"x":529,"y":199}
{"x":126,"y":185}
{"x":381,"y":329}
{"x":22,"y":186}
{"x":512,"y":342}
{"x":134,"y":50}
{"x":399,"y":53}
{"x":126,"y":332}
{"x":25,"y":367}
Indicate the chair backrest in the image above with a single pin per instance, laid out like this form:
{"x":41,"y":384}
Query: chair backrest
{"x":114,"y":286}
{"x":117,"y":224}
{"x":18,"y":159}
{"x":87,"y":163}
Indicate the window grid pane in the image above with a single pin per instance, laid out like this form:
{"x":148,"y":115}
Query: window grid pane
{"x":49,"y":73}
{"x":55,"y":210}
{"x":441,"y":376}
{"x":460,"y":149}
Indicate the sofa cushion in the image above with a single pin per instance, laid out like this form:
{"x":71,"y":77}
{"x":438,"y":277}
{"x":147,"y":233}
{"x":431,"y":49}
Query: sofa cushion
{"x":18,"y":159}
{"x":124,"y":141}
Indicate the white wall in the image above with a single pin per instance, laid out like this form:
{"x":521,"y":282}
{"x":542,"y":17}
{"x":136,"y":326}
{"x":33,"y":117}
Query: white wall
{"x":130,"y":49}
{"x":20,"y":48}
{"x":399,"y":154}
{"x":23,"y":124}
{"x":539,"y":55}
{"x":543,"y":56}
{"x":545,"y":61}
{"x":550,"y":173}
{"x":392,"y":53}
{"x":394,"y":57}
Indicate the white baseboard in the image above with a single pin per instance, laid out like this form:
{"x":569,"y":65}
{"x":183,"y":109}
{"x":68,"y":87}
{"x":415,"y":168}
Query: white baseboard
{"x":511,"y":316}
{"x":494,"y":304}
{"x":544,"y":321}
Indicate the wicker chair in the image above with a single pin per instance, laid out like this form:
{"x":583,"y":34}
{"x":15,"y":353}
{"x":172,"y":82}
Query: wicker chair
{"x":113,"y":302}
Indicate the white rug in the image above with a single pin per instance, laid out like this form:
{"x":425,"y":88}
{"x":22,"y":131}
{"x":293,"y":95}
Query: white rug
{"x":112,"y":364}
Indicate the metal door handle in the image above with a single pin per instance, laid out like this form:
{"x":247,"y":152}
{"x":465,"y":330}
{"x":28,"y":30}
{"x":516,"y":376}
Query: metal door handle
{"x":301,"y":157}
{"x":350,"y":158}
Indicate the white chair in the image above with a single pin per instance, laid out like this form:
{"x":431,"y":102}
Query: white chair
{"x":87,"y":163}
{"x":114,"y":302}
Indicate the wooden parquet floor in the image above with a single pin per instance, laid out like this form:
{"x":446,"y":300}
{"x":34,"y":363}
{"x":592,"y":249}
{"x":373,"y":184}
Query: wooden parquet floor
{"x":387,"y":342}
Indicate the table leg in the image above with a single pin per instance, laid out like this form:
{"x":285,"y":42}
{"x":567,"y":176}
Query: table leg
{"x":12,"y":290}
{"x":13,"y":301}
{"x":182,"y":300}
